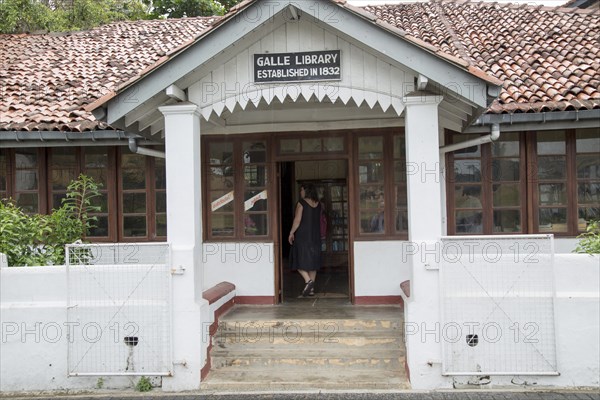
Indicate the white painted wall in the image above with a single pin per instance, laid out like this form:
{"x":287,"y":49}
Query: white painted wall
{"x":249,"y":266}
{"x":577,"y":315}
{"x":33,"y":303}
{"x":379,"y":267}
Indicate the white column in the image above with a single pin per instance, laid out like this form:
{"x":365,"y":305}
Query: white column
{"x":424,"y":174}
{"x":184,"y":233}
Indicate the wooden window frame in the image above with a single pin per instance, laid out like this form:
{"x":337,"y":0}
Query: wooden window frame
{"x":239,"y":235}
{"x":389,"y":186}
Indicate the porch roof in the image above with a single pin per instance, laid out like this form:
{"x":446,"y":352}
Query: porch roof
{"x":546,"y":58}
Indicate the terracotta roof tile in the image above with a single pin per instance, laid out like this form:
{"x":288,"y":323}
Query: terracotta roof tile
{"x":541,"y":54}
{"x":66,"y":73}
{"x":547,"y":59}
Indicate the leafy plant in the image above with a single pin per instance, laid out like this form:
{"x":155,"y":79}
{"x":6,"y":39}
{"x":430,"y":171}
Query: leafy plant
{"x":589,"y":241}
{"x":143,"y":385}
{"x":40,"y":239}
{"x":100,"y":383}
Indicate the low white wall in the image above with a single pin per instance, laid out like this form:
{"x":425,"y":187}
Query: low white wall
{"x":577,"y":317}
{"x":33,"y":343}
{"x":249,"y":266}
{"x":379,"y":268}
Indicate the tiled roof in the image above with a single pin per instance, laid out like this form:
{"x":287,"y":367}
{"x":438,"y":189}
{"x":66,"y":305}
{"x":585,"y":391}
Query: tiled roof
{"x":46,"y":80}
{"x":547,"y":58}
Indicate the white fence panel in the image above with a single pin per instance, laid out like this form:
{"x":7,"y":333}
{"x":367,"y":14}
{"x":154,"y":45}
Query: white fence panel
{"x":119,"y":309}
{"x":497,"y":295}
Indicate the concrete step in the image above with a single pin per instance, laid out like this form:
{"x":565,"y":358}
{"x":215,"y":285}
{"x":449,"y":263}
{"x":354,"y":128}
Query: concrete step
{"x":299,"y":359}
{"x":315,"y":339}
{"x":309,"y":325}
{"x":331,"y":379}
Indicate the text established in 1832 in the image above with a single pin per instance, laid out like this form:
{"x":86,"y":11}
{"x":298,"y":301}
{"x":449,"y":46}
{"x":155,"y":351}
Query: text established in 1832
{"x":293,"y":67}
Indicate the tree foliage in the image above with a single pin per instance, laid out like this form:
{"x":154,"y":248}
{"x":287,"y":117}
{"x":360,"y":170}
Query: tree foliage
{"x":17,"y":16}
{"x":589,"y":241}
{"x":40,"y":239}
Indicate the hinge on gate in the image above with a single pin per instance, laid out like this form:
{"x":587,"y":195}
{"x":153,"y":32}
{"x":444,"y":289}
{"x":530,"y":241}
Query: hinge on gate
{"x":180,"y":270}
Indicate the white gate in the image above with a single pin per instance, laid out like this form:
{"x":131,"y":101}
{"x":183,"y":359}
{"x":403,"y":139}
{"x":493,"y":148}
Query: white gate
{"x":497,"y":295}
{"x":119,"y":309}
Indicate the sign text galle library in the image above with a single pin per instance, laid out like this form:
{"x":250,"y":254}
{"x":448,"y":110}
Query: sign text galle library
{"x":293,"y":67}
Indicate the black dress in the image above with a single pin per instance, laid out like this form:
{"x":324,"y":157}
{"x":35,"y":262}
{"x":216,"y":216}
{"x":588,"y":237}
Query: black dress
{"x":306,"y":250}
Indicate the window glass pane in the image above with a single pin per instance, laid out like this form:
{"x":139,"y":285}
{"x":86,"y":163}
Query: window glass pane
{"x":469,"y":152}
{"x":506,"y":146}
{"x":507,"y":195}
{"x":134,"y":226}
{"x":161,"y":202}
{"x":218,"y":181}
{"x":467,"y":196}
{"x":63,"y":158}
{"x":588,"y":193}
{"x":399,"y":146}
{"x":371,"y":172}
{"x":222,"y":225}
{"x":28,"y":202}
{"x":101,"y":227}
{"x":401,"y":220}
{"x":311,"y":145}
{"x":553,"y":194}
{"x":588,"y":140}
{"x":101,"y":201}
{"x":505,"y":169}
{"x":372,"y":197}
{"x":221,"y":153}
{"x":401,"y":196}
{"x":57,"y":199}
{"x":287,"y":146}
{"x":587,"y":214}
{"x":134,"y":171}
{"x":333,"y":144}
{"x":26,"y":158}
{"x":160,"y":173}
{"x":255,"y":175}
{"x":399,"y":171}
{"x":134,"y":202}
{"x":507,"y":221}
{"x":161,"y":225}
{"x":255,"y":200}
{"x":469,"y":221}
{"x":26,"y":180}
{"x":467,"y":170}
{"x":61,"y":178}
{"x":553,"y":219}
{"x":221,"y":201}
{"x":370,"y":147}
{"x":551,"y":142}
{"x":254,"y":152}
{"x":255,"y":225}
{"x":372,"y":221}
{"x":3,"y":169}
{"x":552,"y":167}
{"x":96,"y":157}
{"x":588,"y":166}
{"x":99,"y":176}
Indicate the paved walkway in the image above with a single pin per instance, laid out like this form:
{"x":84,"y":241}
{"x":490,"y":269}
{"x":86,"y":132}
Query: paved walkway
{"x":455,"y":395}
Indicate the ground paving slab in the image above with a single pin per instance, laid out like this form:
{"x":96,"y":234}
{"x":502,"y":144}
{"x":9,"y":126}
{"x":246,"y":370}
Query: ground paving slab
{"x":327,"y":395}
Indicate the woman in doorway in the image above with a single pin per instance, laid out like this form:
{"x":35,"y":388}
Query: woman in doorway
{"x":305,"y":238}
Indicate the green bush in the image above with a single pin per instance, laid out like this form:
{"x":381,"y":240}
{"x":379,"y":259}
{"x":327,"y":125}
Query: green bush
{"x":40,"y":239}
{"x":589,"y":242}
{"x":143,"y":385}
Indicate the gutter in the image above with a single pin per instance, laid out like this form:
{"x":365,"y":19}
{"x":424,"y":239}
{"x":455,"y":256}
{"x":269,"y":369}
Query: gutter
{"x":12,"y":139}
{"x":493,"y":136}
{"x":526,"y":121}
{"x":134,"y":148}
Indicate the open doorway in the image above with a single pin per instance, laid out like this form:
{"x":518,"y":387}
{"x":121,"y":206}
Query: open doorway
{"x":330,"y":177}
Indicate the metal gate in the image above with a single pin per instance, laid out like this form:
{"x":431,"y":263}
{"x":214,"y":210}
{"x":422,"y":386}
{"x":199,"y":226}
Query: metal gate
{"x":497,"y":295}
{"x":119,"y":309}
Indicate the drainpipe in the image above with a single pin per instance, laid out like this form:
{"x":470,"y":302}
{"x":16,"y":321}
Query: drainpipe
{"x":134,"y":148}
{"x":493,"y":136}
